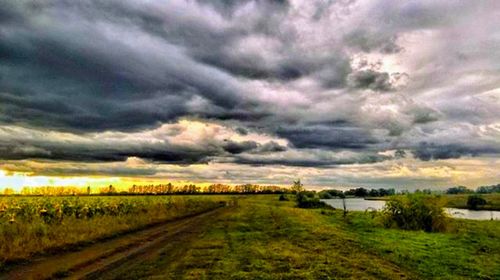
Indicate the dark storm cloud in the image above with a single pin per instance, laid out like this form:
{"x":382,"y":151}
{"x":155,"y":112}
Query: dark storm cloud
{"x":327,"y":137}
{"x":284,"y":69}
{"x":163,"y":145}
{"x":317,"y":161}
{"x":89,"y":75}
{"x":239,"y":147}
{"x":108,"y":150}
{"x":430,"y":151}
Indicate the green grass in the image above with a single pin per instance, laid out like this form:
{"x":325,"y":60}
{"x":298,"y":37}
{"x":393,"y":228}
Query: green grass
{"x":468,"y":250}
{"x":266,"y":239}
{"x":263,"y":238}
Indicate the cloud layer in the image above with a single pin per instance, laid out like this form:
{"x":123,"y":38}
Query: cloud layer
{"x":283,"y":84}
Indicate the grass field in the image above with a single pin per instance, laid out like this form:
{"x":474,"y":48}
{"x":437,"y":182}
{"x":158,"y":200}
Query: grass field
{"x":266,"y":239}
{"x":260,"y":237}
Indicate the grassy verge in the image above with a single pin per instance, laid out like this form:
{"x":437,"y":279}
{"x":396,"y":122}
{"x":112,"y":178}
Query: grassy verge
{"x":266,"y":239}
{"x":468,"y":250}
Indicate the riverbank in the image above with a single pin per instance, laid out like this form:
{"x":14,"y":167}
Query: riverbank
{"x":460,"y":201}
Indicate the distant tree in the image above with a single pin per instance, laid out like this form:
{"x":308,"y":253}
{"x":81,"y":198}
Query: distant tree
{"x":335,"y":192}
{"x":374,"y":192}
{"x":297,"y":186}
{"x":385,"y":192}
{"x":474,"y":201}
{"x":8,"y":191}
{"x":458,"y":190}
{"x":361,"y":192}
{"x":489,"y":189}
{"x":26,"y":191}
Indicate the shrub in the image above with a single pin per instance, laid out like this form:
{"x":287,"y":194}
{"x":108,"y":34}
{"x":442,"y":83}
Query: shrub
{"x":416,"y":212}
{"x":325,"y":195}
{"x":304,"y":200}
{"x":283,"y":197}
{"x":309,"y":194}
{"x":473,"y":201}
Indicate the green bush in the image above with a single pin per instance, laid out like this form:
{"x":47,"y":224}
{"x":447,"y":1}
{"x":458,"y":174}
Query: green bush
{"x":416,"y":212}
{"x":325,"y":195}
{"x":474,"y":201}
{"x":304,"y":200}
{"x":283,"y":197}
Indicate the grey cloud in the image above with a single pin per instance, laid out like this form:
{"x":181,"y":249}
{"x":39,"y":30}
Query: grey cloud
{"x":106,"y":152}
{"x":265,"y":66}
{"x":18,"y":144}
{"x":424,"y":115}
{"x":310,"y":158}
{"x":74,"y":64}
{"x":370,"y":79}
{"x":241,"y":130}
{"x":239,"y":147}
{"x":271,"y":147}
{"x":327,"y":137}
{"x":367,"y":41}
{"x":430,"y":151}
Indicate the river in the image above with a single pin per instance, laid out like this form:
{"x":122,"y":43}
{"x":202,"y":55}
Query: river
{"x":360,"y":204}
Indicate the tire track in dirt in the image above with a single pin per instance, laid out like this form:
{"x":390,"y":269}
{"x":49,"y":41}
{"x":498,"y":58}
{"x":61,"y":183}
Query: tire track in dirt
{"x":105,"y":258}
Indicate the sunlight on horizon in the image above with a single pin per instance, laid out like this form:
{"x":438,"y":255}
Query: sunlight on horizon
{"x":18,"y":180}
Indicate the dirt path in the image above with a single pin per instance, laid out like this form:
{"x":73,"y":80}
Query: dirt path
{"x":110,"y":258}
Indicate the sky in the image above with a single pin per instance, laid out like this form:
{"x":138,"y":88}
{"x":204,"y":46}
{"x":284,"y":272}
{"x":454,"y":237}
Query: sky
{"x":373,"y":93}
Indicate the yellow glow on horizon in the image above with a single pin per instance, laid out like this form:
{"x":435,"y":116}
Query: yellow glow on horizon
{"x":18,"y":180}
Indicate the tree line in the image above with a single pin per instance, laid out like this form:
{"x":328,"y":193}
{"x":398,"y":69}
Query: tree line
{"x":151,"y":189}
{"x":357,"y":192}
{"x":480,"y":190}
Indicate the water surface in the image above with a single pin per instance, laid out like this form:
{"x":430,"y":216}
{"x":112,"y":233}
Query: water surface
{"x":360,"y":204}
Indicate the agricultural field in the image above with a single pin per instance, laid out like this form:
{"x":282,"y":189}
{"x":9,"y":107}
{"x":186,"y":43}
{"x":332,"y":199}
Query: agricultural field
{"x":37,"y":225}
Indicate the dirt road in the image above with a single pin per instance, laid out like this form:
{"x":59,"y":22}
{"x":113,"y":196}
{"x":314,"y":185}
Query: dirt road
{"x":109,"y":259}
